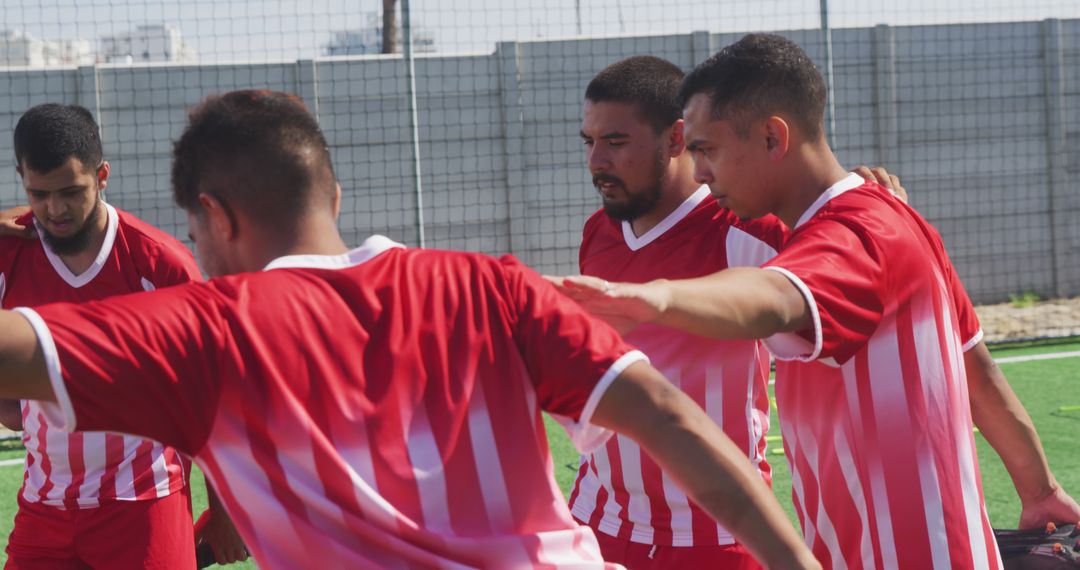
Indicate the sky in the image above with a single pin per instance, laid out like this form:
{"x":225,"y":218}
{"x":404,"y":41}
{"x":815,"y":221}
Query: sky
{"x":273,"y":30}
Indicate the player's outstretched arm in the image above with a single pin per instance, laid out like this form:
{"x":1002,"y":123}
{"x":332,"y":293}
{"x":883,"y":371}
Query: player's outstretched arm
{"x":743,"y":302}
{"x":22,"y":365}
{"x":712,"y":471}
{"x":1007,"y":426}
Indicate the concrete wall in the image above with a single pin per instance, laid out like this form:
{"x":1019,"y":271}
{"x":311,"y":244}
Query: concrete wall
{"x":982,"y":122}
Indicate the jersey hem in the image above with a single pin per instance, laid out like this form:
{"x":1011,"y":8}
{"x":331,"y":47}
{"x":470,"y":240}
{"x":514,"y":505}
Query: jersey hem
{"x":60,"y":414}
{"x":814,"y":316}
{"x":970,"y":344}
{"x":585,"y":436}
{"x":678,"y":539}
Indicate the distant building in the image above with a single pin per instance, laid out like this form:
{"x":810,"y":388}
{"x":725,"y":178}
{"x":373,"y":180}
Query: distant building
{"x":146,"y":43}
{"x":368,"y":40}
{"x":23,"y":50}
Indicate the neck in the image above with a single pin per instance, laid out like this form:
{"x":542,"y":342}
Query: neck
{"x":77,"y":263}
{"x":815,"y":169}
{"x":312,"y":236}
{"x":677,"y":187}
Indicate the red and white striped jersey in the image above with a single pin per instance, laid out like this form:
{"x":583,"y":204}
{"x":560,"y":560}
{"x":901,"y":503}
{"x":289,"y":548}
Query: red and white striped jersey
{"x":620,"y":490}
{"x":873,"y":400}
{"x":85,"y":469}
{"x":380,"y":408}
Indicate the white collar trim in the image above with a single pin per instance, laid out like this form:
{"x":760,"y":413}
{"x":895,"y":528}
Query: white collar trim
{"x":87,"y":276}
{"x":635,"y":243}
{"x":850,"y":182}
{"x":371,"y":248}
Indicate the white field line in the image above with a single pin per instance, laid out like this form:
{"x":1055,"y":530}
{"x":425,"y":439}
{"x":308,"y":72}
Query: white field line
{"x":1025,"y":358}
{"x":7,"y":462}
{"x":1031,"y":357}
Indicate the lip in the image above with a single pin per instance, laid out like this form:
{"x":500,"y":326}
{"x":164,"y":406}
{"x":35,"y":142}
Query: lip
{"x":59,"y":226}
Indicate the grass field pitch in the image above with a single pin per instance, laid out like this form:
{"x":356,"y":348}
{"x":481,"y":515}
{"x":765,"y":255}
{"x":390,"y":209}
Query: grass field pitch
{"x":1048,"y":388}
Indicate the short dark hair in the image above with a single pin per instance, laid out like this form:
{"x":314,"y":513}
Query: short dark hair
{"x":649,"y":83}
{"x":46,"y":136}
{"x":260,"y":152}
{"x":758,"y":76}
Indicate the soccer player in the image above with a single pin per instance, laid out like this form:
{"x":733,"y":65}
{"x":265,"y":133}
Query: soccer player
{"x":881,"y":365}
{"x":96,"y":499}
{"x":657,"y":222}
{"x":373,"y":407}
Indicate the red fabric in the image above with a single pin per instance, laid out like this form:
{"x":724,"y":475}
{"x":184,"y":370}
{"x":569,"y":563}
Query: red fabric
{"x":155,"y":534}
{"x":877,"y":425}
{"x":84,"y":470}
{"x":406,"y":430}
{"x":620,"y":490}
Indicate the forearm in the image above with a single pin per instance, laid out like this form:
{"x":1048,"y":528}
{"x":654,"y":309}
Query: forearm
{"x":23,"y":375}
{"x":702,"y":460}
{"x":1006,"y":425}
{"x":736,"y":303}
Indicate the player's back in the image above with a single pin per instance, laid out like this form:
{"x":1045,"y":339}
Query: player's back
{"x":873,"y":403}
{"x":381,"y":408}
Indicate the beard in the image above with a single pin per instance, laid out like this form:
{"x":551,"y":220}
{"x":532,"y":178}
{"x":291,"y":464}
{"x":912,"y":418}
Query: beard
{"x":75,"y":243}
{"x":639,"y":203}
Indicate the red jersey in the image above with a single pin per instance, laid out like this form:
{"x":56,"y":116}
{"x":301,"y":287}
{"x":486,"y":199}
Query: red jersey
{"x":873,"y":398}
{"x":379,"y":408}
{"x":85,"y":469}
{"x":620,"y":490}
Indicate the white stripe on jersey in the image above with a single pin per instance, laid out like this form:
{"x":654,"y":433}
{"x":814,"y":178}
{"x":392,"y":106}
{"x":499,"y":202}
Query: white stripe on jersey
{"x":428,"y":471}
{"x":825,"y":529}
{"x":851,"y":476}
{"x":745,"y":250}
{"x":610,"y":523}
{"x":964,"y":442}
{"x":638,"y":506}
{"x":882,"y":516}
{"x":929,"y":358}
{"x":488,"y":466}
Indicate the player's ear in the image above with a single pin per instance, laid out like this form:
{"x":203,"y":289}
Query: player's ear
{"x":103,"y":175}
{"x":219,"y":216}
{"x":677,"y":140}
{"x":777,"y":135}
{"x":337,"y":200}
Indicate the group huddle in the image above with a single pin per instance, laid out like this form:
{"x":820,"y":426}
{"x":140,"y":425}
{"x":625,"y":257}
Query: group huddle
{"x":381,"y":406}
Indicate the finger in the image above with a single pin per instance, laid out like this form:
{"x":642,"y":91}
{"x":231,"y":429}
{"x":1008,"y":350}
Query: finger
{"x":882,"y":177}
{"x":586,"y":282}
{"x":898,"y":189}
{"x":865,"y":173}
{"x":555,"y":280}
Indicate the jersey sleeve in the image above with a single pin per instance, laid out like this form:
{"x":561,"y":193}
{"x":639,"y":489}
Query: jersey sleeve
{"x":173,"y":265}
{"x":840,"y":275}
{"x":145,"y":364}
{"x":571,"y":357}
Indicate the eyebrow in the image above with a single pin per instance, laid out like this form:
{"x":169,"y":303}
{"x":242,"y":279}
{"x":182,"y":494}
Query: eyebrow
{"x":608,"y":136}
{"x":65,"y":189}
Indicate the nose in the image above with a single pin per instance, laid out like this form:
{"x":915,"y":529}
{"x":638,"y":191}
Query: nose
{"x":56,"y":206}
{"x":597,"y":158}
{"x":702,"y":173}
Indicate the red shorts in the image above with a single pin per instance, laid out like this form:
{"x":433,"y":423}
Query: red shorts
{"x":120,"y":534}
{"x":638,"y":556}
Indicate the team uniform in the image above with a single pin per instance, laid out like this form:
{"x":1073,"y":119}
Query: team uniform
{"x":637,"y":511}
{"x":98,"y":497}
{"x":376,"y":409}
{"x":873,"y":399}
